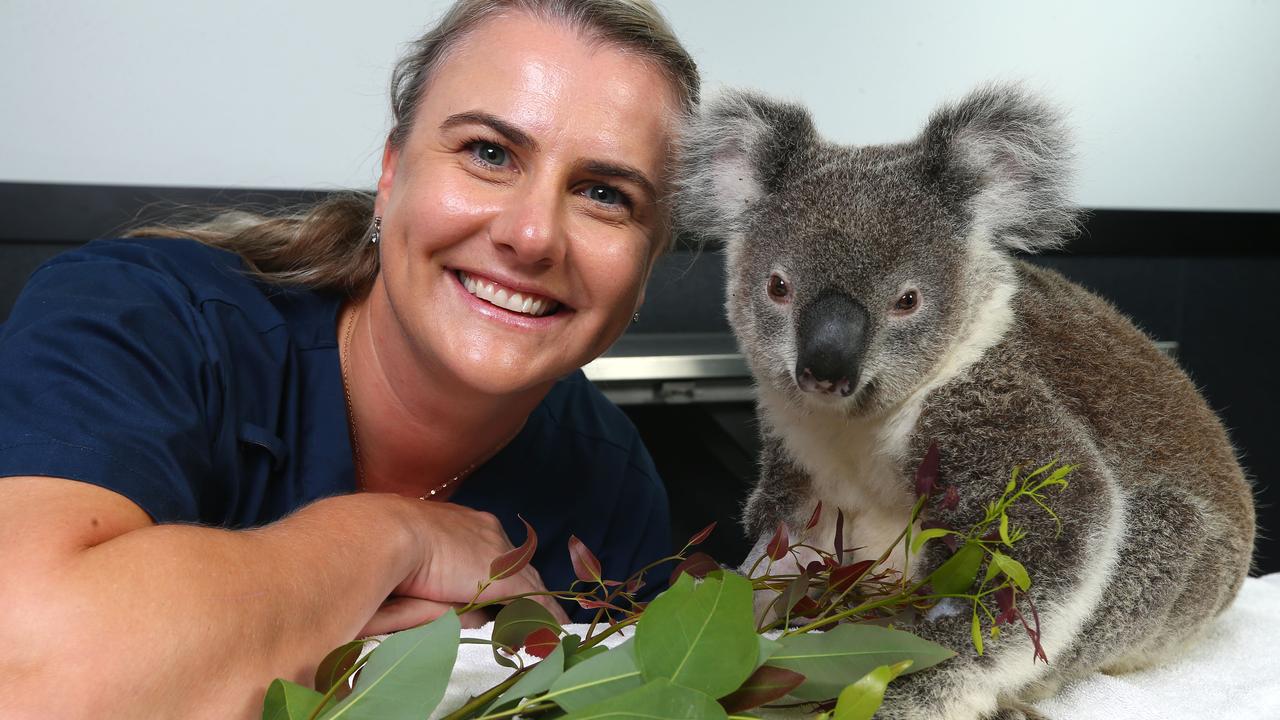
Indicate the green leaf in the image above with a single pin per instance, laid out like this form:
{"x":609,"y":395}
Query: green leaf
{"x":860,"y":700}
{"x":581,"y":656}
{"x":956,"y":575}
{"x":515,"y":621}
{"x":658,"y":698}
{"x":1041,"y":469}
{"x":289,"y":701}
{"x":975,"y":630}
{"x":406,"y":675}
{"x":925,"y":536}
{"x":335,"y":665}
{"x":791,"y":595}
{"x":1057,"y":478}
{"x":766,"y":649}
{"x":992,"y":571}
{"x":603,"y":676}
{"x":829,"y":659}
{"x":1004,"y":529}
{"x":537,"y":680}
{"x":1013,"y":569}
{"x":700,"y":636}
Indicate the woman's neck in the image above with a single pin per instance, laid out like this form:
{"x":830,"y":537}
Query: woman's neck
{"x":414,"y":427}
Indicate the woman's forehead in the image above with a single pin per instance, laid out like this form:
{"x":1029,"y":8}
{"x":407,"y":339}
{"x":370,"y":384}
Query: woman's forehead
{"x":556,"y":85}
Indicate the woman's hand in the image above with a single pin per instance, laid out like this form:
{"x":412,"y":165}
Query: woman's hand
{"x":456,"y":545}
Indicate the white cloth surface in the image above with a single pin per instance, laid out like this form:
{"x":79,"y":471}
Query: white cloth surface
{"x":1233,"y":672}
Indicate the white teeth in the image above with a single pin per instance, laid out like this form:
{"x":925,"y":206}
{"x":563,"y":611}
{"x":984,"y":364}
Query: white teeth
{"x":506,"y":298}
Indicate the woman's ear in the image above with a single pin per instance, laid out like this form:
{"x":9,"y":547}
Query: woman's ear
{"x":390,"y":158}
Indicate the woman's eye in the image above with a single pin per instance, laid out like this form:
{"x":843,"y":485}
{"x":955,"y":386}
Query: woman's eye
{"x":489,"y":153}
{"x":606,"y":195}
{"x":907,"y":302}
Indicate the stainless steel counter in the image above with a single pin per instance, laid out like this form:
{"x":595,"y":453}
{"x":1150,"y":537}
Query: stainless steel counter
{"x":674,"y":368}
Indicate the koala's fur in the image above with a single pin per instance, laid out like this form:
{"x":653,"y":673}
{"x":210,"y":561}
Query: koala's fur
{"x":1001,"y":364}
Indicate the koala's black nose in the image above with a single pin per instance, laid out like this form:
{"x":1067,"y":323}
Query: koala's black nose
{"x":831,"y":338}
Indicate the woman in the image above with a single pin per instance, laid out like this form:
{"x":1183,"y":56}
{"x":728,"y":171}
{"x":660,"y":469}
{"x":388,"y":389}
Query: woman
{"x":157,"y":398}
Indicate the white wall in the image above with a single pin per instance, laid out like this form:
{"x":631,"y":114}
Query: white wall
{"x":1176,"y":104}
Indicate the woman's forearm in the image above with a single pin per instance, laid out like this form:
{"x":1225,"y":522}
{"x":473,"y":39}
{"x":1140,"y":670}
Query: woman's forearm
{"x":188,"y":621}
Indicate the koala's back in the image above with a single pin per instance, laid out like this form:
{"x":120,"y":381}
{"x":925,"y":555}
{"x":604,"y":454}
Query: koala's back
{"x":1115,"y":379}
{"x":1189,"y":509}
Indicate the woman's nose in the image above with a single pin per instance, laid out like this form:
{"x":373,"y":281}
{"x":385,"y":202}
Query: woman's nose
{"x":530,"y":225}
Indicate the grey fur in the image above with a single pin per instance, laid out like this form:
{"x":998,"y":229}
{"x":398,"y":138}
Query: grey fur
{"x":1001,"y":364}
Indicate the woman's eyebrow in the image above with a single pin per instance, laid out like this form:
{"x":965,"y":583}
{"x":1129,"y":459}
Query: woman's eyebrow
{"x":513,"y":134}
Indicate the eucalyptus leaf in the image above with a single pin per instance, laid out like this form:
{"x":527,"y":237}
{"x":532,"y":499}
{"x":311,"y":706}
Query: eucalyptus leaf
{"x":537,"y":680}
{"x":766,"y":684}
{"x":975,"y":631}
{"x":406,"y":676}
{"x":583,"y":655}
{"x":828,"y":660}
{"x":860,"y":700}
{"x":289,"y":701}
{"x":765,"y":650}
{"x":601,"y":677}
{"x":515,"y":621}
{"x":658,"y":698}
{"x":335,"y":665}
{"x":700,"y":636}
{"x":925,"y":536}
{"x":956,"y":575}
{"x":1013,"y":569}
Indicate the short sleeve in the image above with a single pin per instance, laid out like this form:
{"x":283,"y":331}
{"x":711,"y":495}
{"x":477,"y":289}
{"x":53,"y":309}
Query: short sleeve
{"x":104,"y":379}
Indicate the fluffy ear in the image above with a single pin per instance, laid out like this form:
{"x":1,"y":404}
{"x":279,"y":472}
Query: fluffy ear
{"x":743,"y":146}
{"x":1011,"y":154}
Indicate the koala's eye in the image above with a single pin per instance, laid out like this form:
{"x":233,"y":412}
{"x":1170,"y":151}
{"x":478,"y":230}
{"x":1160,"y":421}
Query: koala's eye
{"x":907,"y":302}
{"x":779,"y":289}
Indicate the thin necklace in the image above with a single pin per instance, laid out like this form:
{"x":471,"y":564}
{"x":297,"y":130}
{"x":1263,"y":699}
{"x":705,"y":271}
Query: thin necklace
{"x":355,"y":428}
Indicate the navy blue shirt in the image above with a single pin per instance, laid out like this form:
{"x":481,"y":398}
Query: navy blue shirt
{"x":161,"y":370}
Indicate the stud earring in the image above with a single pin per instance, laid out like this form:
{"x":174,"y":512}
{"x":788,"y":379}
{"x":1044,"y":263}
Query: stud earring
{"x":377,"y":230}
{"x":635,"y":318}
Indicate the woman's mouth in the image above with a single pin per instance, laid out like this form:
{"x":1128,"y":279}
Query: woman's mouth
{"x":506,"y":298}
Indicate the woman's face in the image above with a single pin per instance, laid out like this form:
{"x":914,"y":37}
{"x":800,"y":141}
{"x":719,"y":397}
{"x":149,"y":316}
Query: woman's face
{"x":519,"y":217}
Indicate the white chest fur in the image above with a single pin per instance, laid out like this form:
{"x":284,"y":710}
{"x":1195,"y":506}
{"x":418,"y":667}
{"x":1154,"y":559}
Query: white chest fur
{"x":855,"y":468}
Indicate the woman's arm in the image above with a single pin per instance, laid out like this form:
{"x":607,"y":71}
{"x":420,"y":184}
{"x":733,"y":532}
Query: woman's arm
{"x":105,"y":614}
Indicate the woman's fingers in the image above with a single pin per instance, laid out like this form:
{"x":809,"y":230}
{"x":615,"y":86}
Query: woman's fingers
{"x":458,"y":546}
{"x":401,"y":613}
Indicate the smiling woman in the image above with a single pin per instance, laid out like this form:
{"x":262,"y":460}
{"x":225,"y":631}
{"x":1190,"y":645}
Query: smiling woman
{"x":226,"y":448}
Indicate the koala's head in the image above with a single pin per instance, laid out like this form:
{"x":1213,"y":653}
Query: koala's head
{"x":853,"y":272}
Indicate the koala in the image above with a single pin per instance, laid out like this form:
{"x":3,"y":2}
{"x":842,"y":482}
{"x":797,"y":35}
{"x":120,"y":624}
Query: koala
{"x":878,"y":296}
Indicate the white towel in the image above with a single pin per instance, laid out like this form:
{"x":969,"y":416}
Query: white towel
{"x":1233,"y":672}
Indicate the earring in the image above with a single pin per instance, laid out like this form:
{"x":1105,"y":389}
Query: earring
{"x":636,"y":317}
{"x":377,"y":230}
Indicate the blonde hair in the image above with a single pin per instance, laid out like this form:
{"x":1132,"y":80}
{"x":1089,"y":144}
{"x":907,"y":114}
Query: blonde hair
{"x":326,"y":245}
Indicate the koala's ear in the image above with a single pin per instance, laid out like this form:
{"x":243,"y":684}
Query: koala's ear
{"x":742,"y":147}
{"x":1009,"y":156}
